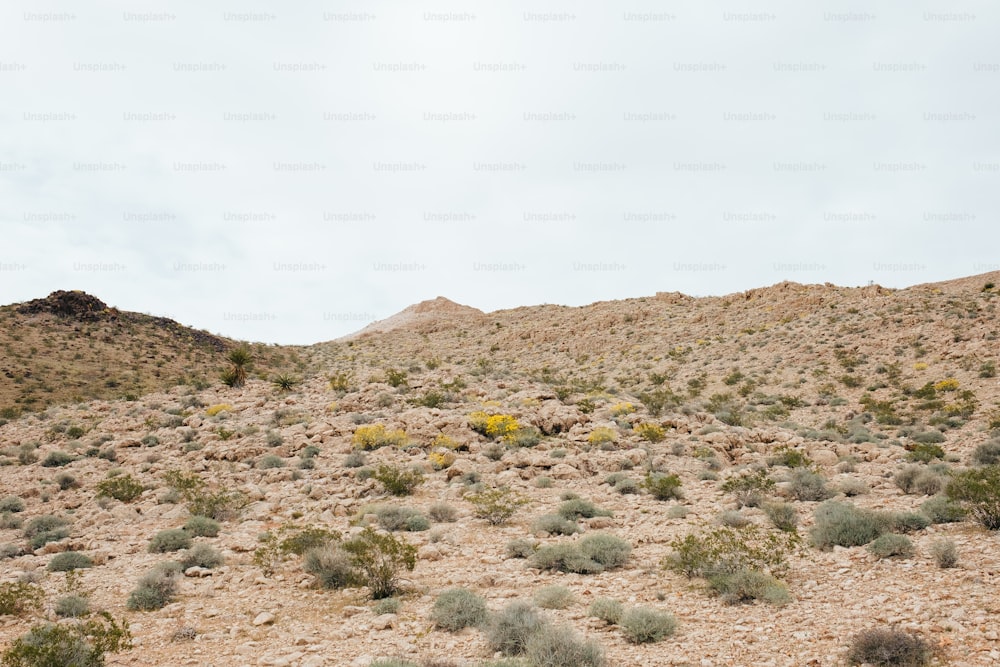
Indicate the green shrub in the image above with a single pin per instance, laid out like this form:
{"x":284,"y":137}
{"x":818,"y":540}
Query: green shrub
{"x":10,"y":521}
{"x":843,"y":524}
{"x":156,"y":589}
{"x":355,"y":459}
{"x":925,"y":452}
{"x":332,"y":567}
{"x":608,"y":610}
{"x":202,"y":555}
{"x":644,"y":625}
{"x":554,"y":525}
{"x":945,"y":553}
{"x":723,"y":550}
{"x":11,"y":504}
{"x":891,"y":545}
{"x":918,"y":479}
{"x":398,"y":482}
{"x":169,"y":540}
{"x":458,"y":608}
{"x":19,"y":597}
{"x":57,"y":459}
{"x":72,"y":606}
{"x":986,"y":454}
{"x":561,"y":647}
{"x":67,"y":645}
{"x":888,"y":647}
{"x":270,"y":461}
{"x":783,"y":516}
{"x":69,"y":560}
{"x":553,"y":597}
{"x":66,"y":481}
{"x":387,"y":606}
{"x":610,"y":551}
{"x":941,"y":509}
{"x":564,"y":558}
{"x":749,"y":489}
{"x":220,"y":505}
{"x":808,"y":485}
{"x":379,"y":559}
{"x":202,"y":526}
{"x":578,"y":508}
{"x":44,"y":529}
{"x":788,"y":457}
{"x":520,"y":547}
{"x":509,"y":630}
{"x":748,"y":585}
{"x":978,"y":491}
{"x":395,"y":517}
{"x":662,"y":486}
{"x":305,"y":539}
{"x":734,"y":519}
{"x":496,"y":506}
{"x":905,"y":522}
{"x":123,"y":487}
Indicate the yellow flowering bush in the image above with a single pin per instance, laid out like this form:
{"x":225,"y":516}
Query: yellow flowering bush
{"x":650,"y":431}
{"x":951,"y":384}
{"x":441,"y":459}
{"x":602,"y":435}
{"x":920,"y":366}
{"x":443,"y":441}
{"x":493,"y":426}
{"x":619,"y":409}
{"x":374,"y":436}
{"x":213,"y":410}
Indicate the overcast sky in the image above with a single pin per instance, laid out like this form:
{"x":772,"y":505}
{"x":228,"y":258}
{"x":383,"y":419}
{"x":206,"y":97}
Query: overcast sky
{"x":288,"y":172}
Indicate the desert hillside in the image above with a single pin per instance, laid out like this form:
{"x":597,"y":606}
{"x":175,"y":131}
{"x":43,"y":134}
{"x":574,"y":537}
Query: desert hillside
{"x":775,"y":477}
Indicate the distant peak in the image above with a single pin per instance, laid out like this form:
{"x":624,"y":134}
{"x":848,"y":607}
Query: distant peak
{"x":439,"y":305}
{"x":426,"y":315}
{"x":73,"y":304}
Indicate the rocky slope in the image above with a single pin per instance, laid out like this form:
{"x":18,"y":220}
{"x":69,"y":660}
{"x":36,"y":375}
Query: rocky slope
{"x":838,"y":375}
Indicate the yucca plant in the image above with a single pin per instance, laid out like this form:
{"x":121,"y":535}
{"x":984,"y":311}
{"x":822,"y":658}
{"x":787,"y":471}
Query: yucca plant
{"x":284,"y":382}
{"x":236,"y":375}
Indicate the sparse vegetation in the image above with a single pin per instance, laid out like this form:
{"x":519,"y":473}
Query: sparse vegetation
{"x":69,"y":645}
{"x":121,"y":487}
{"x":642,"y":625}
{"x":496,"y":506}
{"x":888,"y":647}
{"x":458,"y":608}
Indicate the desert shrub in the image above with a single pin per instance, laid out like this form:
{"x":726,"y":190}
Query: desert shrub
{"x":723,"y":550}
{"x":66,"y":481}
{"x":123,"y":487}
{"x":397,"y":481}
{"x":553,"y":597}
{"x":11,"y":504}
{"x":520,"y":547}
{"x":662,"y":486}
{"x":808,"y":485}
{"x":643,"y":625}
{"x":554,"y":524}
{"x":627,"y":486}
{"x":165,"y":541}
{"x":891,"y":545}
{"x":69,"y":560}
{"x":220,"y":505}
{"x":44,"y":529}
{"x":354,"y":460}
{"x":10,"y":551}
{"x":888,"y":647}
{"x":734,"y":519}
{"x":395,"y":517}
{"x":374,"y":436}
{"x":19,"y":597}
{"x":925,"y":451}
{"x":442,"y":513}
{"x":564,"y":558}
{"x":790,"y":458}
{"x":941,"y":509}
{"x":560,"y":646}
{"x":918,"y":479}
{"x":202,"y":526}
{"x":843,"y":524}
{"x":509,"y":630}
{"x":497,"y":506}
{"x":650,"y":432}
{"x":783,"y":516}
{"x":608,"y":610}
{"x":10,"y":521}
{"x":602,"y":435}
{"x":57,"y":459}
{"x":72,"y":606}
{"x":331,"y":565}
{"x":270,"y":461}
{"x":69,"y":645}
{"x":749,"y":489}
{"x":305,"y":539}
{"x":387,"y":606}
{"x":978,"y":491}
{"x":380,"y":559}
{"x":610,"y":551}
{"x":525,"y":436}
{"x":578,"y":508}
{"x":156,"y":588}
{"x":458,"y":608}
{"x":945,"y":553}
{"x":747,"y":585}
{"x":904,"y":522}
{"x":986,"y":454}
{"x":852,"y":486}
{"x":202,"y":555}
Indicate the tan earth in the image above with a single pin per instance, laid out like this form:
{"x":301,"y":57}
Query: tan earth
{"x":738,"y":377}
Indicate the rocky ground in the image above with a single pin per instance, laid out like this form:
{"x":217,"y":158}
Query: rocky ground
{"x":830,"y":372}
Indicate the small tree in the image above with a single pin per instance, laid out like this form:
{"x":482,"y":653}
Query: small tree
{"x":380,"y":558}
{"x":240,"y":359}
{"x":497,"y":506}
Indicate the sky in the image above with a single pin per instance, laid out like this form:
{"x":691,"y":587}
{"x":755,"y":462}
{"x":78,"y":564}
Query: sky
{"x":289,"y":172}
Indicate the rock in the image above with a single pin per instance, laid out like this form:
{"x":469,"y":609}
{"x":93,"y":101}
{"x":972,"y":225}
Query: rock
{"x":824,"y":457}
{"x":384,"y":621}
{"x":264,"y":618}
